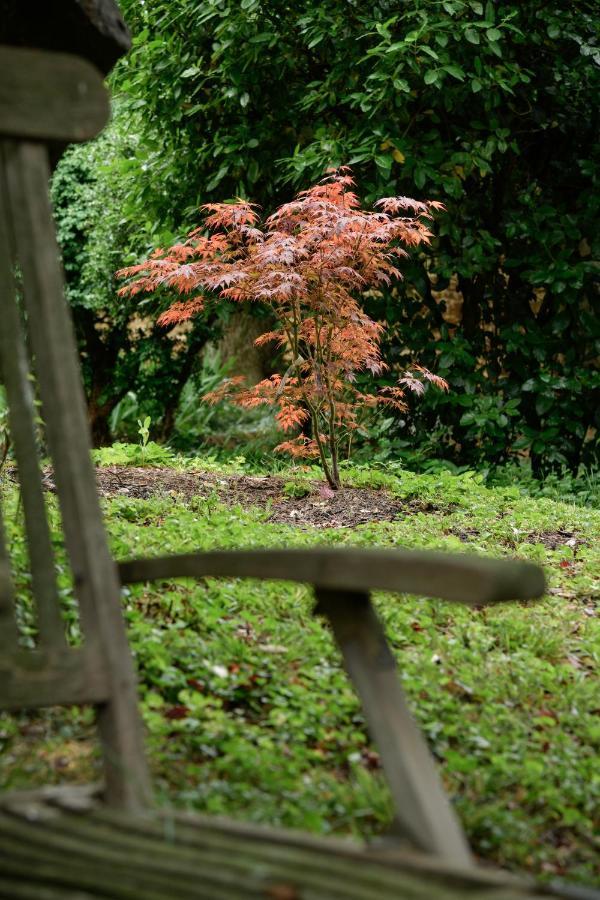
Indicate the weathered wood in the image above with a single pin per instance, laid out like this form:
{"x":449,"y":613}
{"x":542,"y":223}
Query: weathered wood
{"x":277,"y":846}
{"x":64,"y":414}
{"x":32,"y":678}
{"x":421,"y":806}
{"x":50,"y":96}
{"x":93,"y":29}
{"x":263,"y":843}
{"x":463,"y":579}
{"x":115,"y":855}
{"x":11,"y":889}
{"x":30,"y":804}
{"x":14,"y":372}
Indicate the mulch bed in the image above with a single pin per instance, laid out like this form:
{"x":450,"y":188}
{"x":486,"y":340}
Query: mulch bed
{"x":320,"y":508}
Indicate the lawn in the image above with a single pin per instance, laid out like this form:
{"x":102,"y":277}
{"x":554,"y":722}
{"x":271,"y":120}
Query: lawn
{"x":248,"y":712}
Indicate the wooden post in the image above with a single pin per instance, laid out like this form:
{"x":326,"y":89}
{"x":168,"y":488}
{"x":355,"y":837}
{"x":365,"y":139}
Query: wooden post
{"x":63,"y":408}
{"x":15,"y":374}
{"x":422,"y":809}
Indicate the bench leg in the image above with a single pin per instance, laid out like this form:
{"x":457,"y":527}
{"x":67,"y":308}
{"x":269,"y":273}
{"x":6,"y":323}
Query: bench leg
{"x":422,"y":809}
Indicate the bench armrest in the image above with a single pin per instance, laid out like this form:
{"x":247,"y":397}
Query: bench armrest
{"x":342,"y":579}
{"x":461,"y":578}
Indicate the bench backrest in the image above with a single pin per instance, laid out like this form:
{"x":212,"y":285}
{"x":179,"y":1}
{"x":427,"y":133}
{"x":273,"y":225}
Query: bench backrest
{"x":45,"y":98}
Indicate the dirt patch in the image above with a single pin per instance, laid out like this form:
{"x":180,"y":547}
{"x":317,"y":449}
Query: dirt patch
{"x":466,"y":535}
{"x":552,"y":540}
{"x":319,"y":508}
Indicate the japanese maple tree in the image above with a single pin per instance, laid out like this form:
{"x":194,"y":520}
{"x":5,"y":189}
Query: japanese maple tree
{"x":309,"y":262}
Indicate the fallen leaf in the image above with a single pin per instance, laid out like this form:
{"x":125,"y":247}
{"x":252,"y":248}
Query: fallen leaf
{"x":176,"y":712}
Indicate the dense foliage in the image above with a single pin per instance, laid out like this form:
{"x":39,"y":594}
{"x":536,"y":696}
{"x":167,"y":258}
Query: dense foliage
{"x":490,"y":107}
{"x":128,"y":361}
{"x":306,"y":263}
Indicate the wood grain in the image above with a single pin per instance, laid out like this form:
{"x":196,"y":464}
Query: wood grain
{"x":15,"y":374}
{"x":50,"y":96}
{"x":30,"y":679}
{"x":422,"y":809}
{"x":459,"y":578}
{"x":64,"y":413}
{"x":184,"y":856}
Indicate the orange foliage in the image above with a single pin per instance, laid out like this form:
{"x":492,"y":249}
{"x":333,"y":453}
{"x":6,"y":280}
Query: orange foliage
{"x":308,"y":262}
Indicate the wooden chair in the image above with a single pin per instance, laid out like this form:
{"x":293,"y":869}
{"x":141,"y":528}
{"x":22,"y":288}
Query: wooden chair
{"x":107,"y":842}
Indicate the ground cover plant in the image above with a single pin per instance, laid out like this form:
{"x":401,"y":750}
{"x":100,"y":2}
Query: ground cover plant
{"x":308,"y":264}
{"x":247,"y":709}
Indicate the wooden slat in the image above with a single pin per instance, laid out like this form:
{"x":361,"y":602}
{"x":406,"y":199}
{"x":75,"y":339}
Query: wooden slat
{"x":284,"y":849}
{"x":123,"y":873}
{"x":264,"y":844}
{"x":30,"y":679}
{"x":50,"y":96}
{"x":114,"y":855}
{"x":421,"y":806}
{"x":67,"y":431}
{"x":14,"y":371}
{"x":11,"y":889}
{"x":460,"y":578}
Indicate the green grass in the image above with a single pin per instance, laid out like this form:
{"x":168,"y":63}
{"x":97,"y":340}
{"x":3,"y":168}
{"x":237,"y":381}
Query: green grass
{"x":249,"y":713}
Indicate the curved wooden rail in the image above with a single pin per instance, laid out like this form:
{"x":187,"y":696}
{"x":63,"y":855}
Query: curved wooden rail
{"x":460,"y":578}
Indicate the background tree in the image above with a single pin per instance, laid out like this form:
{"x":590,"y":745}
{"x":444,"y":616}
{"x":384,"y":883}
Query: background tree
{"x":308,"y":263}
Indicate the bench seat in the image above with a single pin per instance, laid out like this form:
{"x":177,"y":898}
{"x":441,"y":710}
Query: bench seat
{"x":64,"y":843}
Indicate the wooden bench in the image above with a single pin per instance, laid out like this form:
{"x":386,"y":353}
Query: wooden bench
{"x":107,"y":841}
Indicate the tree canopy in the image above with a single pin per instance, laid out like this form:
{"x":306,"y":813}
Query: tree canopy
{"x":490,"y":108}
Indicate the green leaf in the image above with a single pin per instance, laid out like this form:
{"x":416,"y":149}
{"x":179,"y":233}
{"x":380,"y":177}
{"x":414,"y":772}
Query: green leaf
{"x":384,"y":163}
{"x":431,"y":76}
{"x":419,"y":177}
{"x":472,"y":36}
{"x":493,"y":34}
{"x":455,"y":71}
{"x":553,"y":30}
{"x":216,"y":179}
{"x":476,"y":85}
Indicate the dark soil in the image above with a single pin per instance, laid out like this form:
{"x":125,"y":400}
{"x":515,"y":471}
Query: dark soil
{"x":555,"y":539}
{"x":552,"y":540}
{"x":320,"y":508}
